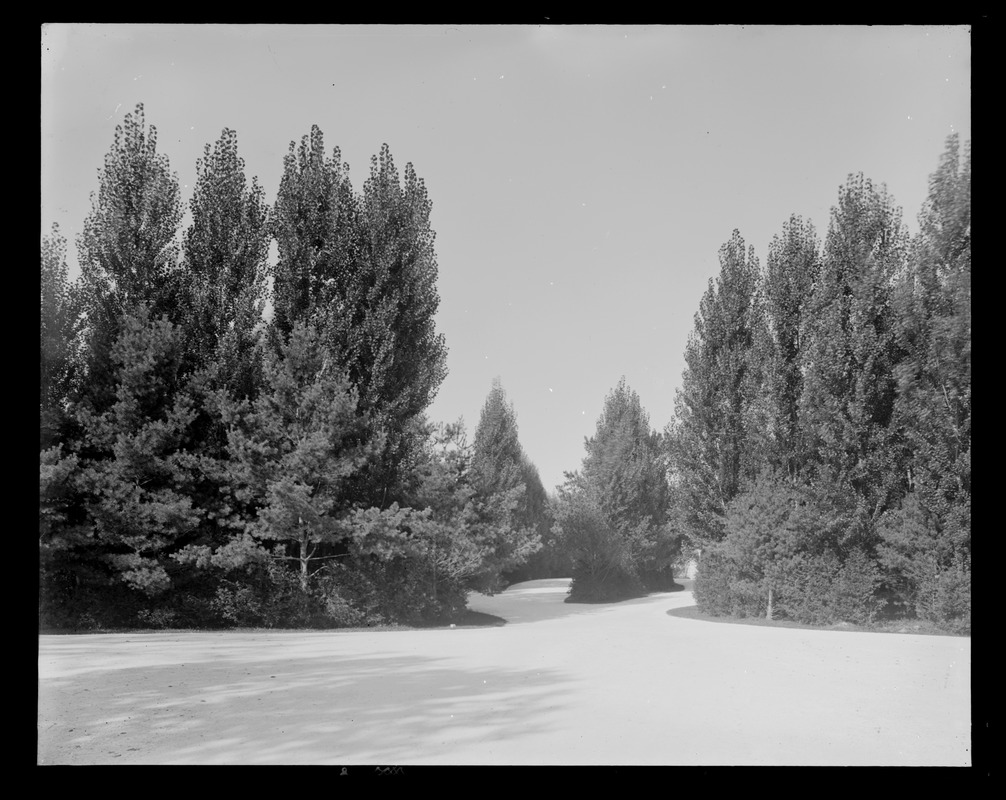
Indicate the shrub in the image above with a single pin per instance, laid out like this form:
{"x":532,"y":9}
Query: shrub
{"x":714,"y":586}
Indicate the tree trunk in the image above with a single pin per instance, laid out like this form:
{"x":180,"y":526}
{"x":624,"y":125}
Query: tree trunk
{"x":768,"y":611}
{"x":304,"y":558}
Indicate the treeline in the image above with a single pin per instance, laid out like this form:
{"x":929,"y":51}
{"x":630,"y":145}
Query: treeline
{"x":820,"y":457}
{"x":203,"y":466}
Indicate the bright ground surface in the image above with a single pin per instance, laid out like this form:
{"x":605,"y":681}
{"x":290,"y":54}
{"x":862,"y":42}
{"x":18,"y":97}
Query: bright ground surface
{"x":560,"y":684}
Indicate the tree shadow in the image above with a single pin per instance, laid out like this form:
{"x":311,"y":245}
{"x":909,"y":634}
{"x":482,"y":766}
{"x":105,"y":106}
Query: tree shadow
{"x":234,"y":705}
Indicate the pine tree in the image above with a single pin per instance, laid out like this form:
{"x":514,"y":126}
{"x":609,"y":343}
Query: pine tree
{"x":134,"y":470}
{"x":497,"y":453}
{"x":625,"y":462}
{"x":612,"y":515}
{"x":500,"y":471}
{"x":295,"y":446}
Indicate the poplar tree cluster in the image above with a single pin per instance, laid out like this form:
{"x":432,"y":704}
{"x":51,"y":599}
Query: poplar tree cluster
{"x":821,"y":448}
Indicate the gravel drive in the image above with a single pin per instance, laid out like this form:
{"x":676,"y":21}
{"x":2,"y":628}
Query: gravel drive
{"x":559,"y":684}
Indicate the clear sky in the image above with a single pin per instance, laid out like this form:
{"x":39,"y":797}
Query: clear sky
{"x":583,"y":178}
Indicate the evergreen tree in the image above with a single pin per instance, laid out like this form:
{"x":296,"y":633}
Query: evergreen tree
{"x":784,"y":554}
{"x":295,"y":446}
{"x":419,"y":561}
{"x":620,"y":494}
{"x":709,"y":439}
{"x":133,"y":470}
{"x":501,"y":471}
{"x":497,"y":454}
{"x":625,"y":462}
{"x":601,"y":559}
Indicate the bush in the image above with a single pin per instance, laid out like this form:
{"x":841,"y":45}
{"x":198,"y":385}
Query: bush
{"x":947,"y":601}
{"x":592,"y":586}
{"x":806,"y":591}
{"x":928,"y":570}
{"x":715,"y":586}
{"x":855,"y":592}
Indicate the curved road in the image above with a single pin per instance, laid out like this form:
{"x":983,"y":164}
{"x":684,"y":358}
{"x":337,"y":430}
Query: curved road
{"x":560,"y":684}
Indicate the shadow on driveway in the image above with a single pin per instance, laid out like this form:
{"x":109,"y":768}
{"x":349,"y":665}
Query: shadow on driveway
{"x":235,"y":708}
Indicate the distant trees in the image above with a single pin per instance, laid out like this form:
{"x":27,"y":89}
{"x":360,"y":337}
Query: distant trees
{"x":612,"y":516}
{"x":505,"y":478}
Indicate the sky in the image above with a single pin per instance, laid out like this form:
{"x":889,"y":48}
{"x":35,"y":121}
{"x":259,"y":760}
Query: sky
{"x":583,"y":178}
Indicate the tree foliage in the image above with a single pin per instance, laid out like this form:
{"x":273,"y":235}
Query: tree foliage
{"x":363,"y":267}
{"x":791,"y":270}
{"x":861,"y":420}
{"x":709,"y":437}
{"x":130,"y":470}
{"x":294,"y":447}
{"x":225,"y":252}
{"x":60,"y":318}
{"x":612,"y":514}
{"x":851,"y":352}
{"x":128,"y":250}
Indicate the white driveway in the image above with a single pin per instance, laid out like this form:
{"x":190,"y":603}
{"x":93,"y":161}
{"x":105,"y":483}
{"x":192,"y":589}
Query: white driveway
{"x":559,"y":684}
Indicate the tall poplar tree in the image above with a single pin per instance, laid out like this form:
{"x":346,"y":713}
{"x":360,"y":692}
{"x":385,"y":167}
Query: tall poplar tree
{"x":397,"y":358}
{"x":850,"y":352}
{"x":709,"y":438}
{"x":128,"y":250}
{"x":792,"y":266}
{"x":59,"y":338}
{"x":927,"y":542}
{"x":225,"y":254}
{"x":316,"y":225}
{"x":364,"y":268}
